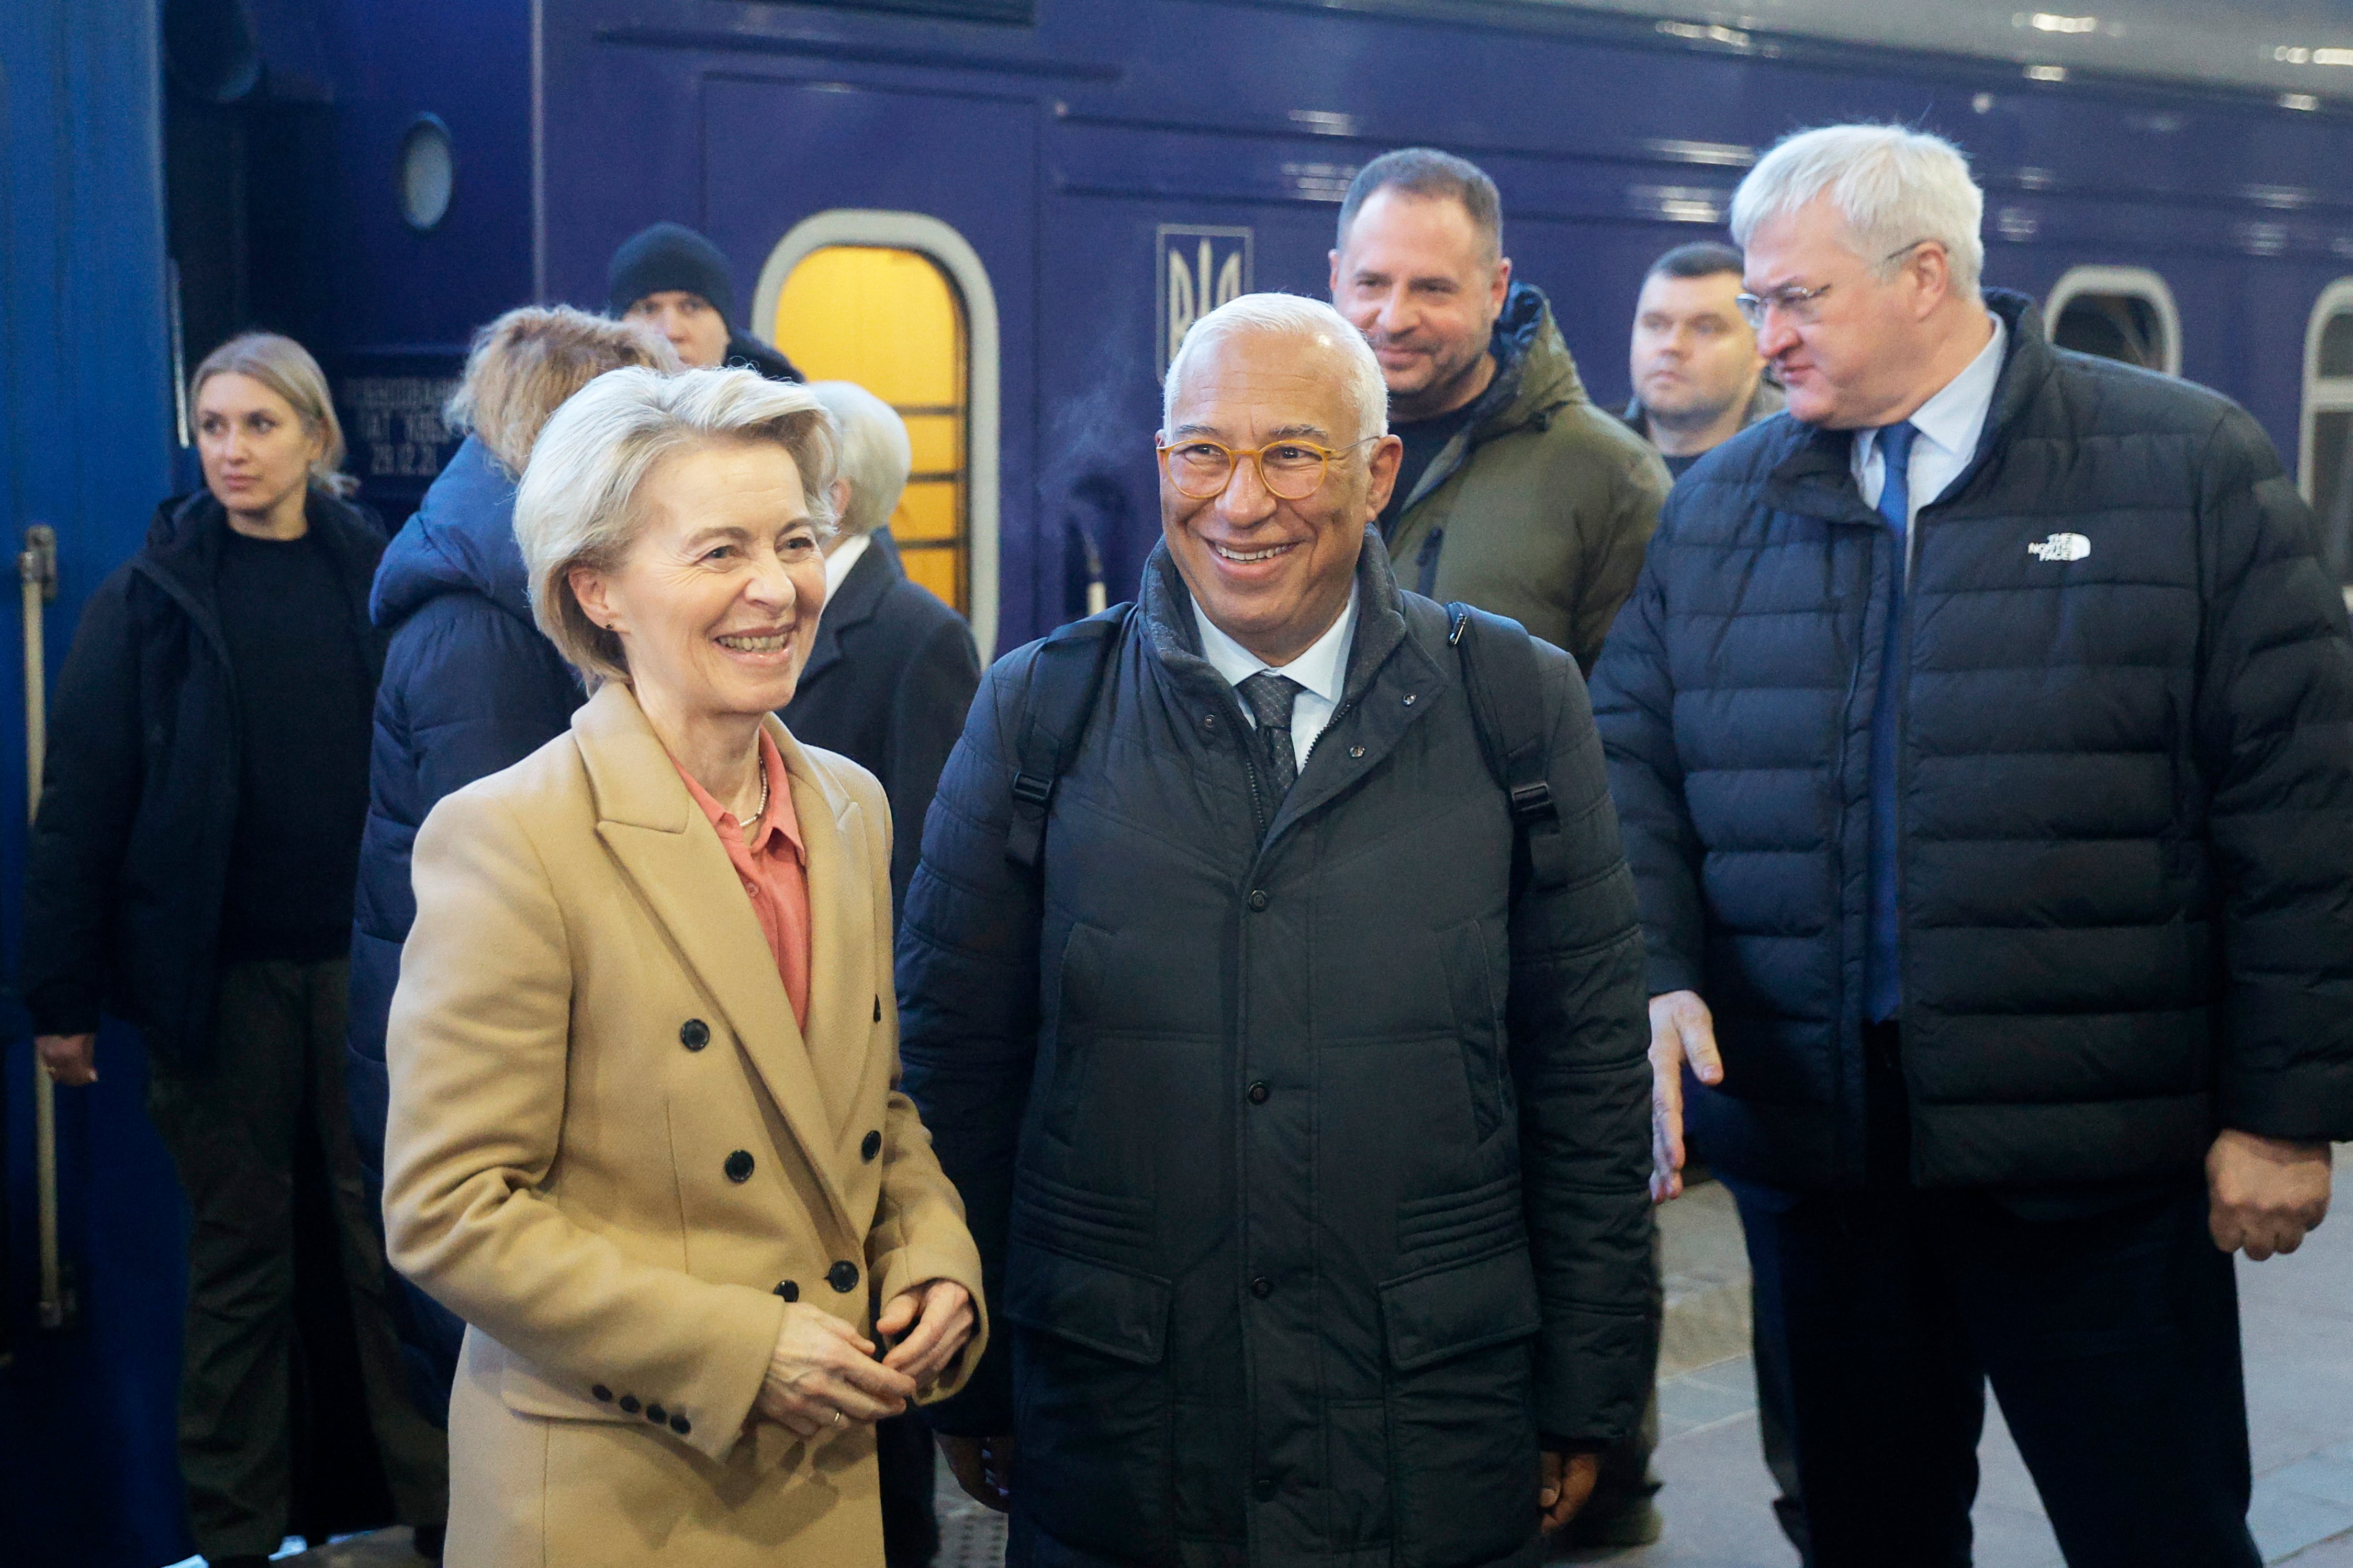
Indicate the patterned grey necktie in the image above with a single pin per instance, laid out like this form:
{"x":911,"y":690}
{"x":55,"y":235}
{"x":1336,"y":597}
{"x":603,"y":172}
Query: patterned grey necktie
{"x":1270,"y":697}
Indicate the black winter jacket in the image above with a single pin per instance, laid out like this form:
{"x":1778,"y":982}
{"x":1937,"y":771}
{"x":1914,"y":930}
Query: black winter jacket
{"x":2125,"y":788}
{"x":1306,"y":1160}
{"x":888,"y":683}
{"x":128,"y":862}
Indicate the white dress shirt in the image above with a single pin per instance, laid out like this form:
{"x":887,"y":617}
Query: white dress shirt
{"x":1320,"y":671}
{"x":1949,"y":425}
{"x":837,"y":564}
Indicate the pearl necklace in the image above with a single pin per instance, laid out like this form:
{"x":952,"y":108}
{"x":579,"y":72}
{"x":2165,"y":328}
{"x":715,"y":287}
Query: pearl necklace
{"x":753,"y":823}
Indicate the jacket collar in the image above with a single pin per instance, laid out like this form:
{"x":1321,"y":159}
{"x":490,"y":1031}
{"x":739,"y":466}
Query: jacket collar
{"x":859,"y":595}
{"x":667,"y":848}
{"x":1380,"y":653}
{"x":183,"y":552}
{"x":1816,"y":479}
{"x":1536,"y":378}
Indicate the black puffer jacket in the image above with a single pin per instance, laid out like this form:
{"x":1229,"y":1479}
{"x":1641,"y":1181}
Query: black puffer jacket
{"x":129,"y":859}
{"x":1309,"y":1173}
{"x":2125,"y":788}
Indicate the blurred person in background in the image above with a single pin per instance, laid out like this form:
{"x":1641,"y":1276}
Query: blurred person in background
{"x":672,"y":279}
{"x":893,"y":669}
{"x":646,"y":1136}
{"x":469,"y":687}
{"x":191,"y":872}
{"x":1698,"y":378}
{"x":1515,"y":493}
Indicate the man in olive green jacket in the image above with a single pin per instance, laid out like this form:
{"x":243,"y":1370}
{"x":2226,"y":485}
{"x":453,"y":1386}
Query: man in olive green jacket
{"x":1517,"y":494}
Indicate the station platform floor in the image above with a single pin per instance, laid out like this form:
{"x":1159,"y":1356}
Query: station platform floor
{"x":2297,"y":1316}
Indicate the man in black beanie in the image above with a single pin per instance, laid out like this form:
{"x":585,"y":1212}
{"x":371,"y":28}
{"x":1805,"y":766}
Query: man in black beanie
{"x":676,"y":281}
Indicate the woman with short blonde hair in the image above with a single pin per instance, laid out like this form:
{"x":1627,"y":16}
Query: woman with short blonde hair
{"x":646,"y":1137}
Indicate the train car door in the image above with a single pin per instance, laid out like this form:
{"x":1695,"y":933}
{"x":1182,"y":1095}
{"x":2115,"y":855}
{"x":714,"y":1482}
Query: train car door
{"x":901,"y":236}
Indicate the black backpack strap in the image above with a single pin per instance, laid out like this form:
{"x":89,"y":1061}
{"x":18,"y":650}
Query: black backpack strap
{"x":1063,"y":682}
{"x":1499,"y":673}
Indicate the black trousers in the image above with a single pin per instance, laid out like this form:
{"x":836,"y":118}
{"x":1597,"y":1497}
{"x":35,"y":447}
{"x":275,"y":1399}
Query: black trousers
{"x":903,"y":1453}
{"x":2109,"y":1332}
{"x":252,"y":1129}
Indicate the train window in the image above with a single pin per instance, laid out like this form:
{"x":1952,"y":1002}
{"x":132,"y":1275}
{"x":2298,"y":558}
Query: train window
{"x":899,"y":303}
{"x":2117,"y":312}
{"x":890,"y":320}
{"x":2325,"y":463}
{"x":426,"y":173}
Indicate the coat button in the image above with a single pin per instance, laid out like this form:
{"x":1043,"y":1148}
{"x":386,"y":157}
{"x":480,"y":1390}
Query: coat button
{"x":1263,"y":1488}
{"x":739,"y":1165}
{"x":656,"y":1415}
{"x":842,"y":1276}
{"x":1356,"y":752}
{"x":1408,"y":699}
{"x":1262,"y":1287}
{"x":789,"y":1289}
{"x":680,"y":1425}
{"x":1258,"y":898}
{"x":1257,"y":1092}
{"x":629,"y":1402}
{"x":694,"y":1033}
{"x":870,"y":1146}
{"x":604,"y":1394}
{"x":1209,"y":720}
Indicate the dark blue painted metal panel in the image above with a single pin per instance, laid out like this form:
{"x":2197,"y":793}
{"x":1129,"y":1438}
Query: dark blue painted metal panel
{"x":89,"y":1476}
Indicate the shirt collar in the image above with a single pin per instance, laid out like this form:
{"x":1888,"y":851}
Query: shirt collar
{"x":1320,"y":669}
{"x":1955,"y":417}
{"x":780,"y":825}
{"x":845,"y":555}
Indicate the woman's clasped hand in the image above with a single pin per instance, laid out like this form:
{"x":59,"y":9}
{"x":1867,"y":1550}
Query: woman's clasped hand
{"x":825,"y":1375}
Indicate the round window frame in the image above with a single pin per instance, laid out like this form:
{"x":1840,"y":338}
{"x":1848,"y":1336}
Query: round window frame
{"x":439,"y":127}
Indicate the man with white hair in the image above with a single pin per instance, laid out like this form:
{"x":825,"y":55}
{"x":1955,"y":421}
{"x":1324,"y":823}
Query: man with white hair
{"x":1290,"y":1066}
{"x":1981,"y":738}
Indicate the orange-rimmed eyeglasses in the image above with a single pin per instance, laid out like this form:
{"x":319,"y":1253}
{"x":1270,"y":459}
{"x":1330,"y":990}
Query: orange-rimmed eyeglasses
{"x":1291,"y":471}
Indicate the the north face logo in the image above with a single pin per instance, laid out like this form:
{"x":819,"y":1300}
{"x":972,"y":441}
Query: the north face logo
{"x":2060,"y":547}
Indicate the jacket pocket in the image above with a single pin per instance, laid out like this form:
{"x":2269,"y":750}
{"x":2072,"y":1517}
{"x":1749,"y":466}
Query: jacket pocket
{"x":1463,"y":1461}
{"x":1091,"y":1401}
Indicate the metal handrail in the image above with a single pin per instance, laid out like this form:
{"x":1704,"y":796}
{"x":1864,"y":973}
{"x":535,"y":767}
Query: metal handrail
{"x":36,"y":571}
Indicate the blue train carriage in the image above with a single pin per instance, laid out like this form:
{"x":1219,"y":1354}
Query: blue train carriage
{"x":1002,"y":214}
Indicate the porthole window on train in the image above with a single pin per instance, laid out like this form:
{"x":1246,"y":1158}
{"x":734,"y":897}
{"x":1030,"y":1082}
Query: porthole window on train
{"x":2326,"y":461}
{"x":2117,"y":312}
{"x":890,"y":321}
{"x":427,"y":173}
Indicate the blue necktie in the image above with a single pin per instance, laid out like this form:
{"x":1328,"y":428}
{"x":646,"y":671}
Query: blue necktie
{"x":1883,"y":972}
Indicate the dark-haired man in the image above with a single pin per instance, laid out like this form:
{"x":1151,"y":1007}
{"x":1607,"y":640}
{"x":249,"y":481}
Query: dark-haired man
{"x":1515,"y":493}
{"x":1698,"y":378}
{"x":677,"y":282}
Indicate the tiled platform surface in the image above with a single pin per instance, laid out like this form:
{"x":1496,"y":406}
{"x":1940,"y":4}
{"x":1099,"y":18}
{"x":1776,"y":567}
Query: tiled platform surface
{"x":2296,"y":1324}
{"x":2297,"y":1321}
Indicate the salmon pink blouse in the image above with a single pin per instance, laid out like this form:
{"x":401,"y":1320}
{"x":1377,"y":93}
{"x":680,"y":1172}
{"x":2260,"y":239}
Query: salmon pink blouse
{"x":774,"y":869}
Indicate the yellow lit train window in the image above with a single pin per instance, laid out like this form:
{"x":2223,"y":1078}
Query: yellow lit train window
{"x":891,"y":322}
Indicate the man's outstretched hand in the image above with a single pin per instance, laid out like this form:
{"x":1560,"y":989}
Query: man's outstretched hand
{"x":1682,"y":1030}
